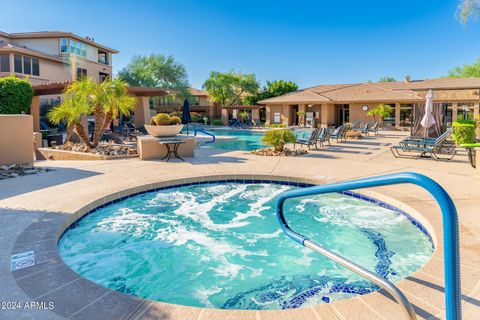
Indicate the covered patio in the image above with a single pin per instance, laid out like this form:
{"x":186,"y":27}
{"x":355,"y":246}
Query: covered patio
{"x":142,"y":109}
{"x":232,"y":111}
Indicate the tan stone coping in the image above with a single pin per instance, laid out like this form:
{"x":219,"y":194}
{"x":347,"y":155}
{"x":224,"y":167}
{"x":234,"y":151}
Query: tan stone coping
{"x":55,"y":154}
{"x":78,"y":298}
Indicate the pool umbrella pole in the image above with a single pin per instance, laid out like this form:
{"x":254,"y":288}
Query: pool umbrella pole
{"x":186,"y":113}
{"x":428,"y":120}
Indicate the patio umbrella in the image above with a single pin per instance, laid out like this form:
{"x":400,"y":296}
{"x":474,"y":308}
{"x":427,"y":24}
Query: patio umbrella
{"x":186,"y":113}
{"x":428,"y":120}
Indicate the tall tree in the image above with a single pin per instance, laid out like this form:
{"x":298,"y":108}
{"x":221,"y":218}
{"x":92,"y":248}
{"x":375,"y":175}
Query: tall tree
{"x":228,"y":88}
{"x":271,"y":89}
{"x":468,"y":9}
{"x":465,"y":71}
{"x":156,"y":71}
{"x":387,"y":79}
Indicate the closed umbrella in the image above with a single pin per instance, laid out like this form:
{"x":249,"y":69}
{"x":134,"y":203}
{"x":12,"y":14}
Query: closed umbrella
{"x":186,"y":113}
{"x":428,"y":120}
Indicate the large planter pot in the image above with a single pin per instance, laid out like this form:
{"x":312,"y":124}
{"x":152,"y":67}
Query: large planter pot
{"x":163,"y":131}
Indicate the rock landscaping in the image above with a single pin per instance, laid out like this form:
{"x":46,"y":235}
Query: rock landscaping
{"x":107,"y":149}
{"x":270,"y":152}
{"x":14,"y":170}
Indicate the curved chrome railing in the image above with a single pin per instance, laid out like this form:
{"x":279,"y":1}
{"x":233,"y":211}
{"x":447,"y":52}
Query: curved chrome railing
{"x":450,"y":236}
{"x":197,"y":130}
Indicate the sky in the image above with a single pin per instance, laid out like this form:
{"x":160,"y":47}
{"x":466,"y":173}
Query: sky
{"x":309,"y":42}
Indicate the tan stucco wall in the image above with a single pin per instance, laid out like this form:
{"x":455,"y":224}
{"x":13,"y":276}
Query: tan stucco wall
{"x":149,"y":148}
{"x":357,"y":114}
{"x":327,"y":116}
{"x":49,"y":46}
{"x":16,"y":139}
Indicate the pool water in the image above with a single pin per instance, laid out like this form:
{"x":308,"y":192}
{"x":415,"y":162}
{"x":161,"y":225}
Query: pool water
{"x":245,"y":140}
{"x":220,"y":245}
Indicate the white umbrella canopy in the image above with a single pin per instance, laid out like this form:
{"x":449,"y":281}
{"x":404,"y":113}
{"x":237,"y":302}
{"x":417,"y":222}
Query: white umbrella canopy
{"x":428,"y":120}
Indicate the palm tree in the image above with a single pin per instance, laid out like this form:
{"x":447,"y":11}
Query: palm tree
{"x":71,"y":111}
{"x":382,"y":111}
{"x":116,"y":100}
{"x":83,"y":97}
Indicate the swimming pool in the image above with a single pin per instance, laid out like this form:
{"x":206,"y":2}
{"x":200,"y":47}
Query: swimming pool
{"x":219,"y":245}
{"x":245,"y":140}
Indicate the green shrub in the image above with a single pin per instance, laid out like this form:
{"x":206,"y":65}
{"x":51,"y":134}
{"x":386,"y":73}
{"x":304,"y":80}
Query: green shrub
{"x":464,"y":132}
{"x":217,"y":122}
{"x":175,"y":120}
{"x":15,"y":95}
{"x":278,"y":138}
{"x":276,"y":125}
{"x":161,"y":119}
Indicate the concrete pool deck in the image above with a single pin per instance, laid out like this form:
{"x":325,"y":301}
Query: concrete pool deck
{"x":34,"y":210}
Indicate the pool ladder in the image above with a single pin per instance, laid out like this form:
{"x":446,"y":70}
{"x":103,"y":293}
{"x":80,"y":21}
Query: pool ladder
{"x":197,"y":130}
{"x":450,"y":236}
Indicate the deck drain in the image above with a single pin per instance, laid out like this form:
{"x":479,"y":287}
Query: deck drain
{"x":22,"y":260}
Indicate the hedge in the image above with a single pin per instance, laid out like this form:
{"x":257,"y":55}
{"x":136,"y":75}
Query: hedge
{"x":464,"y":131}
{"x":217,"y":122}
{"x":15,"y":95}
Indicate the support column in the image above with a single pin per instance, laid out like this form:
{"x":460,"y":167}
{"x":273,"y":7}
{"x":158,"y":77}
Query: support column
{"x":286,"y":115}
{"x":455,"y":111}
{"x":35,"y":112}
{"x":303,"y":119}
{"x":397,"y":115}
{"x":476,"y":111}
{"x":256,"y":115}
{"x":225,"y":112}
{"x":268,"y":115}
{"x":142,"y":111}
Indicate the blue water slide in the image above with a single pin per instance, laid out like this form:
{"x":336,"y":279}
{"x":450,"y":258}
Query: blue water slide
{"x":450,"y":235}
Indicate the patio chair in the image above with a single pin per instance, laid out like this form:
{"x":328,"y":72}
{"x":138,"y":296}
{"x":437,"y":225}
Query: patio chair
{"x":374,"y":127}
{"x":338,"y":133}
{"x":416,"y":148}
{"x":365,"y":130}
{"x":324,"y":136}
{"x":356,"y":124}
{"x":428,"y":141}
{"x":312,"y":140}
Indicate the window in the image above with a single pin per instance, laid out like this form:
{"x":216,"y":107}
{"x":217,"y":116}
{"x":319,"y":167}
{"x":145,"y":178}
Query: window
{"x":63,"y":45}
{"x":83,"y":50}
{"x":276,"y":117}
{"x":102,"y":57}
{"x":17,"y":63}
{"x":78,"y":48}
{"x":102,"y":76}
{"x":35,"y":67}
{"x":405,"y":115}
{"x":81,"y":73}
{"x":27,"y":65}
{"x":4,"y":63}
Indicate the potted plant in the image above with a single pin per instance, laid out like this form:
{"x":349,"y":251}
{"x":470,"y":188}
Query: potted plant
{"x":162,"y":125}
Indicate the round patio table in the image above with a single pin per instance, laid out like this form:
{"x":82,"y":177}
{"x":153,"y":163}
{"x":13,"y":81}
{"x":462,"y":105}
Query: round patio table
{"x":172,"y":148}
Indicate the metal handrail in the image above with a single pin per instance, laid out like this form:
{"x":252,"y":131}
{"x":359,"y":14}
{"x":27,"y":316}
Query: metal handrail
{"x":450,"y":235}
{"x":206,"y":133}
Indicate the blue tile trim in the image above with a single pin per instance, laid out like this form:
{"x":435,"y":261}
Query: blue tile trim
{"x":382,"y":204}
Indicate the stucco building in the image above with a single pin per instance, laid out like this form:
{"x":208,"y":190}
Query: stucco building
{"x":328,"y":105}
{"x":53,"y":56}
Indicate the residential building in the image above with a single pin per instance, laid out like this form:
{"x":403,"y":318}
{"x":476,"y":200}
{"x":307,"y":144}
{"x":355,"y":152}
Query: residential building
{"x":327,"y":105}
{"x":199,"y":103}
{"x":47,"y":56}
